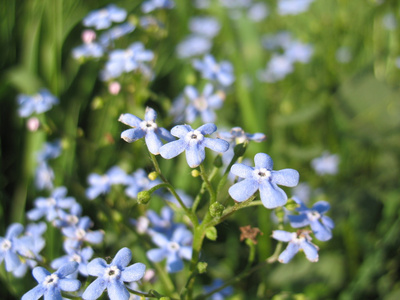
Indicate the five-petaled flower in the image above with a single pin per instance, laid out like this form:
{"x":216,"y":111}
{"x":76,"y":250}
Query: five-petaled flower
{"x":194,"y":142}
{"x":102,"y":18}
{"x":146,"y":128}
{"x":299,"y":240}
{"x":262,"y":178}
{"x":51,"y":285}
{"x":112,"y":276}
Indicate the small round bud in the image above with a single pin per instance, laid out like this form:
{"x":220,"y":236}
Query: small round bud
{"x":88,"y":36}
{"x":218,"y":161}
{"x":143,"y":197}
{"x":195,"y":173}
{"x":33,"y":124}
{"x":153,"y":176}
{"x":211,"y":233}
{"x":202,"y":267}
{"x":216,"y":209}
{"x":114,"y":87}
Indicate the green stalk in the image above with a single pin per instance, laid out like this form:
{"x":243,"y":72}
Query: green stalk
{"x":213,"y":195}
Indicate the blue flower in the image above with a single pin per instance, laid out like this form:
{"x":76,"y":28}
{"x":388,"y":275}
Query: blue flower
{"x":262,"y":178}
{"x":293,"y":7}
{"x":81,"y":256}
{"x":39,"y":103}
{"x":79,"y":233}
{"x":326,"y":164}
{"x":163,"y":223}
{"x":139,"y":181}
{"x":220,"y":295}
{"x":112,"y":276}
{"x":115,"y":33}
{"x":299,"y":52}
{"x":51,"y":206}
{"x":204,"y":26}
{"x":221,"y":72}
{"x":297,"y":240}
{"x":173,"y":248}
{"x":101,"y":184}
{"x":50,"y":150}
{"x":203,"y":105}
{"x":186,"y":199}
{"x":44,"y":176}
{"x":51,"y":285}
{"x":321,"y":225}
{"x":102,"y":18}
{"x":9,"y":247}
{"x":194,"y":142}
{"x":277,"y":68}
{"x":258,"y":12}
{"x":151,"y":5}
{"x":193,"y":45}
{"x":87,"y":50}
{"x":146,"y":128}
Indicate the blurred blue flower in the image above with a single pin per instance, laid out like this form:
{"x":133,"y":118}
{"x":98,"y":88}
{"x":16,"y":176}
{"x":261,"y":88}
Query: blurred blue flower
{"x":81,"y":256}
{"x":389,"y":21}
{"x":299,"y":52}
{"x":258,"y":11}
{"x":139,"y":181}
{"x":51,"y":206}
{"x":221,"y":72}
{"x":44,"y":176}
{"x":101,"y":184}
{"x":293,"y":7}
{"x":220,"y":295}
{"x":88,"y":50}
{"x":70,"y":218}
{"x":9,"y":247}
{"x":277,"y":68}
{"x":320,"y":224}
{"x":151,"y":5}
{"x":236,"y":3}
{"x":50,"y":150}
{"x":163,"y":223}
{"x":278,"y":41}
{"x":193,"y":45}
{"x":123,"y":61}
{"x":262,"y":178}
{"x":39,"y":103}
{"x":79,"y":233}
{"x":204,"y":26}
{"x":326,"y":164}
{"x":204,"y":104}
{"x":174,"y":248}
{"x":299,"y":240}
{"x":116,"y":32}
{"x":194,"y":142}
{"x":112,"y":276}
{"x":102,"y":18}
{"x":146,"y":128}
{"x":51,"y":285}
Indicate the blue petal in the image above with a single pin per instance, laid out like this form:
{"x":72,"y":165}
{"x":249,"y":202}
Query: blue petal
{"x":262,"y":160}
{"x":150,"y":114}
{"x":52,"y":293}
{"x":208,"y":115}
{"x":153,"y":142}
{"x":186,"y":252}
{"x":321,"y":232}
{"x":35,"y":293}
{"x":133,"y":273}
{"x":208,"y":89}
{"x":14,"y":230}
{"x":288,"y":253}
{"x":243,"y":190}
{"x":12,"y":261}
{"x":96,"y":267}
{"x":321,"y":206}
{"x":286,"y":177}
{"x":69,"y":285}
{"x":195,"y":154}
{"x":208,"y":128}
{"x":242,"y":170}
{"x":122,"y":258}
{"x":191,"y":92}
{"x":94,"y":237}
{"x":95,"y":289}
{"x":132,"y":135}
{"x":117,"y":291}
{"x":174,"y":263}
{"x":67,"y":269}
{"x":271,"y":195}
{"x":165,"y":134}
{"x":310,"y":250}
{"x":173,"y":149}
{"x":160,"y":239}
{"x":328,"y":222}
{"x":181,"y":131}
{"x":217,"y":145}
{"x":40,"y":274}
{"x":130,"y":120}
{"x":297,"y":221}
{"x":156,"y":255}
{"x":282,"y":235}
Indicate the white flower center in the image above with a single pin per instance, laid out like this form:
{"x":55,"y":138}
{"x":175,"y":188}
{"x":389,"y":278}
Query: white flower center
{"x":261,"y":174}
{"x":80,"y":233}
{"x":313,"y":215}
{"x":194,"y":136}
{"x":5,"y":245}
{"x":72,"y":219}
{"x":37,"y":98}
{"x":76,"y":258}
{"x":200,"y":103}
{"x":50,"y":280}
{"x":148,"y":125}
{"x":51,"y":201}
{"x":173,"y":246}
{"x":112,"y":272}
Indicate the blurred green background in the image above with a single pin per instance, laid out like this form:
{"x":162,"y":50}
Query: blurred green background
{"x":351,"y":109}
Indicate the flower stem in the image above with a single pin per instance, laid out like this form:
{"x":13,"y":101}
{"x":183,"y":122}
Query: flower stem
{"x":213,"y":195}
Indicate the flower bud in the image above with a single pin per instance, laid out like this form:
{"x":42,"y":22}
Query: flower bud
{"x":218,"y":161}
{"x":143,"y":197}
{"x":240,"y":149}
{"x":153,"y":176}
{"x":216,"y":209}
{"x":202,"y":267}
{"x":195,"y":173}
{"x":211,"y":233}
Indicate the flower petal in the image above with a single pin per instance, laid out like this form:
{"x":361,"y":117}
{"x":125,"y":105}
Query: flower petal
{"x":286,"y":177}
{"x":262,"y":160}
{"x":96,"y":267}
{"x":297,"y":221}
{"x":310,"y":250}
{"x":328,"y":222}
{"x":69,"y":285}
{"x":217,"y":145}
{"x":133,"y":273}
{"x":150,"y":114}
{"x":271,"y":195}
{"x":208,"y":128}
{"x":132,"y":135}
{"x":195,"y":154}
{"x":282,"y":235}
{"x":180,"y":131}
{"x":288,"y":253}
{"x":52,"y":293}
{"x":130,"y":120}
{"x":156,"y":255}
{"x":40,"y":273}
{"x":153,"y":142}
{"x":191,"y":92}
{"x":117,"y":291}
{"x":122,"y":258}
{"x":95,"y":289}
{"x":67,"y":269}
{"x":243,"y":190}
{"x":173,"y":149}
{"x":321,"y":232}
{"x":174,"y":263}
{"x":165,"y":134}
{"x":242,"y":170}
{"x":35,"y":293}
{"x":321,"y":206}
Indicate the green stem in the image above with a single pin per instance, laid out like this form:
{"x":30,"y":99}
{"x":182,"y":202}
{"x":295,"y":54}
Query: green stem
{"x":213,"y":195}
{"x":203,"y":188}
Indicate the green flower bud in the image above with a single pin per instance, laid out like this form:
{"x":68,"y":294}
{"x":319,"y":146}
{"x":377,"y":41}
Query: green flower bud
{"x":216,"y":209}
{"x":291,"y":205}
{"x":195,"y":173}
{"x":143,"y":197}
{"x":211,"y":233}
{"x":218,"y":161}
{"x":202,"y":267}
{"x":240,"y":149}
{"x":153,"y":175}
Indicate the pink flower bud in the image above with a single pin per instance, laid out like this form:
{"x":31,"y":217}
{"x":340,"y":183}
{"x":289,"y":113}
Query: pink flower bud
{"x":88,"y":36}
{"x":33,"y":124}
{"x":114,"y":88}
